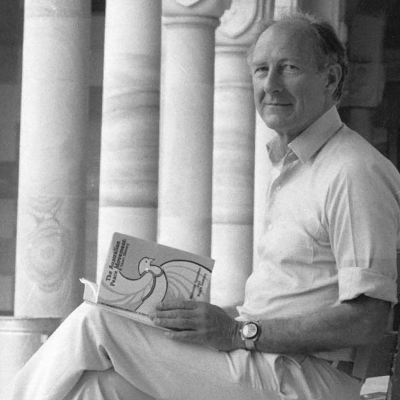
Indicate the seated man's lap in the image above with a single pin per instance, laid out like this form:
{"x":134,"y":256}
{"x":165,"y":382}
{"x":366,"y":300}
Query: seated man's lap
{"x":170,"y":369}
{"x":94,"y":339}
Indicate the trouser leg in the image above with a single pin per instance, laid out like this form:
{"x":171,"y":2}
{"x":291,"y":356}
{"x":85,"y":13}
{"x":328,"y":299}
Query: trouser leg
{"x":105,"y":385}
{"x":91,"y":339}
{"x":58,"y":365}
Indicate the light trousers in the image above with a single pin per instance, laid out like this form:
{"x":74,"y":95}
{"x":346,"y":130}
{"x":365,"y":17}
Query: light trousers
{"x":98,"y":355}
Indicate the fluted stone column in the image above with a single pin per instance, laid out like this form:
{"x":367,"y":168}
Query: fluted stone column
{"x":234,"y":137}
{"x":186,"y":139}
{"x":54,"y":115}
{"x":130,"y":130}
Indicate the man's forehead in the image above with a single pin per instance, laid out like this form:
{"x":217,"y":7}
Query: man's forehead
{"x":293,"y":36}
{"x":291,"y":26}
{"x":295,"y":30}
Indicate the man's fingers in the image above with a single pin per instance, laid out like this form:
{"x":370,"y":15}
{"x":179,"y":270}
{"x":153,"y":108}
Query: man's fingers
{"x":186,"y":336}
{"x":181,"y":315}
{"x":173,"y":313}
{"x":179,"y":324}
{"x":176,"y":304}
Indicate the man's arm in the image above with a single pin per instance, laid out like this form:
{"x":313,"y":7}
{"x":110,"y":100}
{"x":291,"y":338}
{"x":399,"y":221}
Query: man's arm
{"x":358,"y":322}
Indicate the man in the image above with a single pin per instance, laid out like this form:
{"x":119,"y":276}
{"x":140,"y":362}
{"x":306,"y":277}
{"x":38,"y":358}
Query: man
{"x":326,"y":279}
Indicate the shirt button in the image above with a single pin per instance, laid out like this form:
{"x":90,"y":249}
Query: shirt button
{"x":278,"y":188}
{"x":269,"y":227}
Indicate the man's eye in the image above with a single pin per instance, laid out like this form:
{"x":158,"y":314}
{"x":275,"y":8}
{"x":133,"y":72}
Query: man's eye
{"x":260,"y":70}
{"x":289,"y":67}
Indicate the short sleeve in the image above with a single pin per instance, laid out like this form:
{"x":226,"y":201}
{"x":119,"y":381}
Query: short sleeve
{"x":354,"y":281}
{"x":363,"y":214}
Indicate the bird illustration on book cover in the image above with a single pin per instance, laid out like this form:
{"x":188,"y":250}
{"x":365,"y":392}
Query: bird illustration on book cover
{"x":149,"y":284}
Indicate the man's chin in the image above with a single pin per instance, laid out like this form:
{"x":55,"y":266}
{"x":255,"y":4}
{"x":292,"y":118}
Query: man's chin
{"x":274,"y":123}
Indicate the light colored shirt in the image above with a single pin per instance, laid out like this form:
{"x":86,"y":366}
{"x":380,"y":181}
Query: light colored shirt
{"x":331,"y":227}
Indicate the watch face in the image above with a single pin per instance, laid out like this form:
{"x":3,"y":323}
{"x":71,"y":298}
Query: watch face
{"x":250,"y":330}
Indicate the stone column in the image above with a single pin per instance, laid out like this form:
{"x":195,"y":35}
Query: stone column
{"x":233,"y":165}
{"x":130,"y":127}
{"x":54,"y":115}
{"x":186,"y":139}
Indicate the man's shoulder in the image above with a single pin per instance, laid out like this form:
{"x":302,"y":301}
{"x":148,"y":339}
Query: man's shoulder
{"x":348,"y":157}
{"x":348,"y":149}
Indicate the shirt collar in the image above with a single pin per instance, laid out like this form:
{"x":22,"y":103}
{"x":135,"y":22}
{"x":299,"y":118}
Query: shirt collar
{"x":310,"y":141}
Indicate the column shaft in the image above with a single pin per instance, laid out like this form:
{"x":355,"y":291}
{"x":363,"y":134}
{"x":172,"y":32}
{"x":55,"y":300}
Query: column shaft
{"x":54,"y":115}
{"x":234,"y":156}
{"x":233,"y":176}
{"x":130,"y":127}
{"x":186,"y":140}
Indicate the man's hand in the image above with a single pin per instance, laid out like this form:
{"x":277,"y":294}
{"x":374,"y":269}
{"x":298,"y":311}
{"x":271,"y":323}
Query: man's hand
{"x":198,"y":322}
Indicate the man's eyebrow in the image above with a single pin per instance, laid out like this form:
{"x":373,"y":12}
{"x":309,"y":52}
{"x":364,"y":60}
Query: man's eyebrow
{"x":297,"y":60}
{"x":256,"y":63}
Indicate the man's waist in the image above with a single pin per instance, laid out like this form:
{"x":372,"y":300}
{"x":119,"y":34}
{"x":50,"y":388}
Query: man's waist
{"x":344,"y":366}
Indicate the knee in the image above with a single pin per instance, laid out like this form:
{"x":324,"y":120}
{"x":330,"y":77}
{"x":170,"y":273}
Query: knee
{"x":105,"y":384}
{"x":85,"y":317}
{"x":103,"y":380}
{"x":84,"y":313}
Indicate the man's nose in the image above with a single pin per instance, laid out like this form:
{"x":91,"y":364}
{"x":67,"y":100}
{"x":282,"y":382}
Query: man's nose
{"x":272,"y":82}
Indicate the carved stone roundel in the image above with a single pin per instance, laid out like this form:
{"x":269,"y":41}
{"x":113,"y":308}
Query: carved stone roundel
{"x":238,"y":18}
{"x":48,"y":255}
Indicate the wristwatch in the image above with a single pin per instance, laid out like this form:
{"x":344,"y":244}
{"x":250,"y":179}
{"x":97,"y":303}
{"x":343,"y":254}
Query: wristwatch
{"x":250,"y":332}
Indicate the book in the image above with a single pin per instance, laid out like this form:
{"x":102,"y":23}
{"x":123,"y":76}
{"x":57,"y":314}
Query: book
{"x":138,"y":274}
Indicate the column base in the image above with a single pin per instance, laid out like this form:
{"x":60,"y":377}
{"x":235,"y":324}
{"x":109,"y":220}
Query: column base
{"x":20,"y":338}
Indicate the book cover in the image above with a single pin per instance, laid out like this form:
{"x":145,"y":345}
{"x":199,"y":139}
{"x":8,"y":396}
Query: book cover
{"x":138,"y":274}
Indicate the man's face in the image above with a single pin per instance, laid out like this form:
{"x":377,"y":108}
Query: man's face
{"x":290,"y":93}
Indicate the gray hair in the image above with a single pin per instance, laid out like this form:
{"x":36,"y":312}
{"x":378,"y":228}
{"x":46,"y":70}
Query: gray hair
{"x":328,"y":48}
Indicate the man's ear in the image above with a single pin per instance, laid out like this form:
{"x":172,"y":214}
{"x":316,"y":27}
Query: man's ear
{"x":333,"y":75}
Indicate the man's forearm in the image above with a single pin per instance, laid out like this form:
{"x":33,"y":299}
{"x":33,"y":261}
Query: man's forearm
{"x":231,"y":311}
{"x":354,"y":323}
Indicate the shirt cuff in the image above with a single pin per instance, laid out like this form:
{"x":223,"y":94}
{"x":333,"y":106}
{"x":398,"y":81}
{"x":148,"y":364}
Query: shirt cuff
{"x":355,"y":281}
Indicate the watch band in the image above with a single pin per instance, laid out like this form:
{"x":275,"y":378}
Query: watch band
{"x":249,"y":344}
